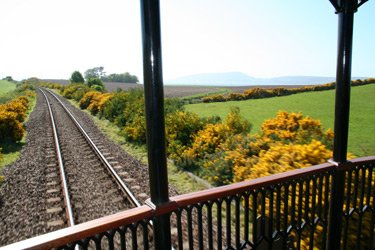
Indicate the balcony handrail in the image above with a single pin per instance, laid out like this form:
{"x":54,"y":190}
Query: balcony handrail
{"x":80,"y":231}
{"x":148,"y":211}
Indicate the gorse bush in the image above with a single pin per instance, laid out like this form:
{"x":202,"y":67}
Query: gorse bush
{"x":114,"y":108}
{"x":94,"y":101}
{"x":207,"y":148}
{"x":75,"y":91}
{"x":12,"y":114}
{"x":285,"y":157}
{"x":180,"y":128}
{"x":293,"y":127}
{"x":225,"y":152}
{"x":133,"y":118}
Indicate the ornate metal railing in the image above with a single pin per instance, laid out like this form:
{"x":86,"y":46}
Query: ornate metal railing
{"x":287,"y":210}
{"x":329,"y":206}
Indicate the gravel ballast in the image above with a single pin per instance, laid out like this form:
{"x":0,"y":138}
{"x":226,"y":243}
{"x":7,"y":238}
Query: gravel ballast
{"x":23,"y":194}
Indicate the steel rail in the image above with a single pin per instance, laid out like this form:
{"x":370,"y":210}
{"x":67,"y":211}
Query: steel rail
{"x":64,"y":184}
{"x":111,"y":170}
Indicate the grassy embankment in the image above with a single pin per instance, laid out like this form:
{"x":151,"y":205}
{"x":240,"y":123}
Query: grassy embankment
{"x":11,"y":150}
{"x":318,"y":105}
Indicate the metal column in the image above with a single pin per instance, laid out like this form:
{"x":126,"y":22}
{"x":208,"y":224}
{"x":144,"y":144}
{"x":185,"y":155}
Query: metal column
{"x":345,"y":10}
{"x":154,"y":100}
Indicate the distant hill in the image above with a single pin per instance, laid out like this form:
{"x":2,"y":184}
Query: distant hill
{"x":241,"y":79}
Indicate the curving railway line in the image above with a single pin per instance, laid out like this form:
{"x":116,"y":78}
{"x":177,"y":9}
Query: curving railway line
{"x":84,"y":181}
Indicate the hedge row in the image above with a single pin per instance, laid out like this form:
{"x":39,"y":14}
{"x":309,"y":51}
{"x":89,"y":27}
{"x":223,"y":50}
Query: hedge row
{"x":257,"y":93}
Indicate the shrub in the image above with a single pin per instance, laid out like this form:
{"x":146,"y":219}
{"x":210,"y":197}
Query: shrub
{"x":180,"y":128}
{"x":98,"y":87}
{"x":10,"y":127}
{"x":294,"y":127}
{"x":12,"y":114}
{"x":133,"y":117}
{"x":94,"y":81}
{"x":76,"y":77}
{"x":214,"y":98}
{"x":236,"y":97}
{"x":284,"y":157}
{"x":172,"y":105}
{"x":256,"y":93}
{"x":94,"y":101}
{"x":98,"y":102}
{"x":135,"y":130}
{"x":210,"y":140}
{"x":75,"y":91}
{"x":114,"y":108}
{"x":87,"y":98}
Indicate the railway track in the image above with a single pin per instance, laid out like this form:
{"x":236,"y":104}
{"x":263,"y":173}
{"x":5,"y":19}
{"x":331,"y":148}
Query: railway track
{"x":84,"y":181}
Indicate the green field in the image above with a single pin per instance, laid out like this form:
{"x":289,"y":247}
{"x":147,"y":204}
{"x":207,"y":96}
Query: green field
{"x":318,"y":105}
{"x":6,"y":87}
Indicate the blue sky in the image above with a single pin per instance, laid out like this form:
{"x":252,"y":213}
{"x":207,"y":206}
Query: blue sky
{"x":270,"y":38}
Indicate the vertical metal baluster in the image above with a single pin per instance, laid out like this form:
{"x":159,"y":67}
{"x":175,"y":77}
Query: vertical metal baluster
{"x":369,"y":185}
{"x":122,"y":239}
{"x":320,"y":203}
{"x":190,"y":226}
{"x":320,"y":196}
{"x":347,"y":207}
{"x":98,"y":244}
{"x":246,"y":218}
{"x":307,"y":202}
{"x":300,"y":204}
{"x":328,"y":179}
{"x":134,"y":237}
{"x":285,"y":229}
{"x":200,"y":225}
{"x":356,"y":183}
{"x":110,"y":241}
{"x":263,"y":214}
{"x":219,"y":225}
{"x":209,"y":221}
{"x":179,"y":229}
{"x":293,"y":206}
{"x":313,"y":212}
{"x":238,"y":220}
{"x":145,"y":235}
{"x":270,"y":222}
{"x":278,"y":209}
{"x":228,"y":221}
{"x":360,"y":213}
{"x":255,"y":222}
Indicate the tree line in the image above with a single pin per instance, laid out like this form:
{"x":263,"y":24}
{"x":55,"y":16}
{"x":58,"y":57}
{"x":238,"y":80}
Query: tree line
{"x":98,"y":72}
